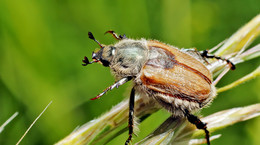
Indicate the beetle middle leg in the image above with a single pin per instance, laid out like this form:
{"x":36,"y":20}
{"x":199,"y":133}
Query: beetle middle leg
{"x":131,"y":116}
{"x":198,"y":123}
{"x":207,"y":55}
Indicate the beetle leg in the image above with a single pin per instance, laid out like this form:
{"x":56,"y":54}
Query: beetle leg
{"x":198,"y":123}
{"x":118,"y":37}
{"x":131,"y":116}
{"x":206,"y":55}
{"x":115,"y":85}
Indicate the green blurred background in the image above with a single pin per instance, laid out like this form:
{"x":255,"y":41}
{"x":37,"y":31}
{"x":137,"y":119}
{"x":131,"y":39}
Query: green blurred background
{"x":43,"y":42}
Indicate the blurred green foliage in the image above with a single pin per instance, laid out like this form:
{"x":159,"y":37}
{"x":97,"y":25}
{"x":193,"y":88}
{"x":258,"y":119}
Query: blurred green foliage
{"x":43,"y":42}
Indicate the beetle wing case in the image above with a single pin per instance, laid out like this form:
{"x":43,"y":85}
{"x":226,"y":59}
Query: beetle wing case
{"x":177,"y":80}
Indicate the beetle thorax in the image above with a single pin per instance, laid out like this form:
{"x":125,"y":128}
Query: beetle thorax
{"x":128,"y":57}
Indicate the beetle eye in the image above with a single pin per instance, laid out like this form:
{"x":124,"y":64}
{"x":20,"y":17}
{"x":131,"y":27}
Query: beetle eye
{"x":94,"y":55}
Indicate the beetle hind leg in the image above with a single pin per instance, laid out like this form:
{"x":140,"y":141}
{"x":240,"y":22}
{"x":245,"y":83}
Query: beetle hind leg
{"x":198,"y":123}
{"x":207,"y":55}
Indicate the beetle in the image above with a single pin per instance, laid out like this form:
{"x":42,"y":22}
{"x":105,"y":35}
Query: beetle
{"x":178,"y":79}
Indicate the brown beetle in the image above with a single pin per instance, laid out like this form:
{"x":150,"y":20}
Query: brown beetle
{"x":177,"y":79}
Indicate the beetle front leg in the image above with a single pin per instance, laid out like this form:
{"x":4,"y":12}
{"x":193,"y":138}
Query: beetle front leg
{"x":115,"y":85}
{"x":117,"y":37}
{"x":198,"y":123}
{"x":131,"y":116}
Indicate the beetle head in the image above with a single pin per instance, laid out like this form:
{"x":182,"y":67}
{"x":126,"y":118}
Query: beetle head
{"x":103,"y":55}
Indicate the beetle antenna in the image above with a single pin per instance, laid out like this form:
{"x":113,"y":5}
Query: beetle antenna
{"x":86,"y":61}
{"x":90,"y":35}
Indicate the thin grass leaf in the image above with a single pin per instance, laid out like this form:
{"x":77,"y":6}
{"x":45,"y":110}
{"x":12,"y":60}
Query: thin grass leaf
{"x":179,"y":132}
{"x":33,"y":124}
{"x":244,"y":79}
{"x":203,"y":141}
{"x":8,"y":121}
{"x":100,"y":129}
{"x":245,"y":35}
